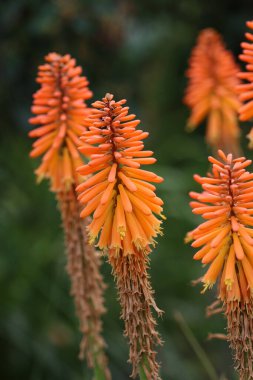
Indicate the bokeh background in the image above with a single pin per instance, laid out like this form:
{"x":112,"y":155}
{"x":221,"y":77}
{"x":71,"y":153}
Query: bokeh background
{"x":137,"y":50}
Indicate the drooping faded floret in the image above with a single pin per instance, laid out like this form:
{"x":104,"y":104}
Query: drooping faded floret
{"x":211,"y":91}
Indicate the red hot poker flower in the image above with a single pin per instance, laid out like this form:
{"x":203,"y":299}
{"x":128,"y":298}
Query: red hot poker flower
{"x":225,"y":238}
{"x":119,"y":195}
{"x":60,"y":109}
{"x":211,"y":92}
{"x":123,"y":203}
{"x":246,"y":89}
{"x":225,"y":243}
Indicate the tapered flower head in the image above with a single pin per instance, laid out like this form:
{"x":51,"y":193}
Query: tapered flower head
{"x":246,"y":89}
{"x":225,"y":239}
{"x":118,"y":193}
{"x":60,"y":109}
{"x":225,"y":243}
{"x":211,"y":92}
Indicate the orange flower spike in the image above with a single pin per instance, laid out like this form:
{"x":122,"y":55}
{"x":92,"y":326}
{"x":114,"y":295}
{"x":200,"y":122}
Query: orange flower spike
{"x":226,"y":241}
{"x":60,"y":109}
{"x":211,"y":92}
{"x":224,"y":236}
{"x":122,"y":202}
{"x":118,"y":154}
{"x":245,"y":90}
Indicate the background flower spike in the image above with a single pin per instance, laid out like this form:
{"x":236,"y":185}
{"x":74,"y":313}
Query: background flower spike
{"x":126,"y":219}
{"x":60,"y":109}
{"x":245,"y":90}
{"x":224,"y":242}
{"x":211,"y":92}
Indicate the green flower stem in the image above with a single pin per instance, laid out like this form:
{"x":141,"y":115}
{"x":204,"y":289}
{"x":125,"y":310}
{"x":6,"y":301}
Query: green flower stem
{"x":99,"y":373}
{"x":142,"y":365}
{"x":200,"y":353}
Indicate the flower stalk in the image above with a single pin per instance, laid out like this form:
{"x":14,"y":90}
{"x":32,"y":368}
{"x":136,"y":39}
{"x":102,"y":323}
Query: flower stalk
{"x":87,"y":285}
{"x":123,"y":204}
{"x":137,"y":301}
{"x":225,"y":243}
{"x":60,"y":109}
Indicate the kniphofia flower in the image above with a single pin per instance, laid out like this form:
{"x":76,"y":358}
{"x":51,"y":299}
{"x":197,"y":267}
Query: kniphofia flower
{"x":60,"y":109}
{"x":246,"y":89}
{"x":211,"y":91}
{"x":125,"y":217}
{"x":224,"y":243}
{"x":119,"y":196}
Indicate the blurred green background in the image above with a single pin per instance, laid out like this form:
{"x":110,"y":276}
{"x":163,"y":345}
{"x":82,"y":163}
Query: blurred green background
{"x":137,"y":50}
